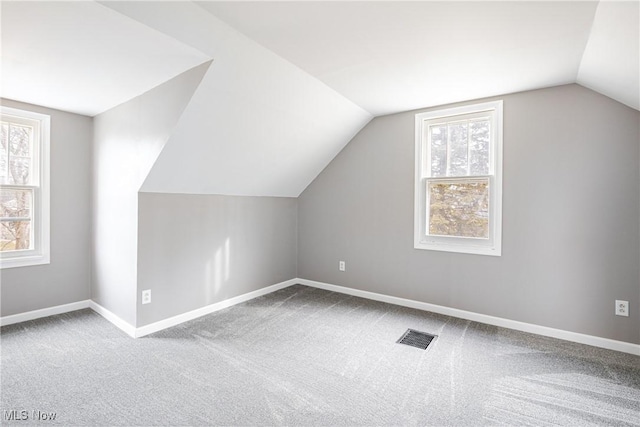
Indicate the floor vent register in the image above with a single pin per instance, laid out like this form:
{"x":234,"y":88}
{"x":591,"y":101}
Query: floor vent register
{"x":416,"y":339}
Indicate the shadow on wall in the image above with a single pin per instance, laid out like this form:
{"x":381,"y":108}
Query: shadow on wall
{"x":229,"y":246}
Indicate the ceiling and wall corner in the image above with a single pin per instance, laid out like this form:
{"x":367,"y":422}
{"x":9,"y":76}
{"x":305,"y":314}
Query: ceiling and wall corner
{"x":126,"y":142}
{"x":82,"y":57}
{"x":389,"y":57}
{"x":256,"y":126}
{"x":611,"y":61}
{"x":293,"y":82}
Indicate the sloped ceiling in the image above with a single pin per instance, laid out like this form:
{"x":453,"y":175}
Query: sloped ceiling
{"x":396,"y":56}
{"x":82,"y":57}
{"x":611,"y":60}
{"x":292,"y":82}
{"x":256,"y":126}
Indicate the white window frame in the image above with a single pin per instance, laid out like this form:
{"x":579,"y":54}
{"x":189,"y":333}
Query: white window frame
{"x":493,"y":244}
{"x":39,"y":253}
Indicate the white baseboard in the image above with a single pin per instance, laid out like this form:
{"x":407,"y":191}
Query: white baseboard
{"x":134,"y":332}
{"x":131,"y":330}
{"x":45,"y":312}
{"x":117,"y":321}
{"x":622,"y":346}
{"x":203,"y":311}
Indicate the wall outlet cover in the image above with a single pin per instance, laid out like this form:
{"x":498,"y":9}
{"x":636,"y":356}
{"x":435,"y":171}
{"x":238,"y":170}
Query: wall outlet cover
{"x":622,"y":308}
{"x":146,"y":296}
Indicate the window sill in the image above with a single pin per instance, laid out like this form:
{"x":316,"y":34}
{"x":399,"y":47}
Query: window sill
{"x":24,"y":261}
{"x":463,"y":249}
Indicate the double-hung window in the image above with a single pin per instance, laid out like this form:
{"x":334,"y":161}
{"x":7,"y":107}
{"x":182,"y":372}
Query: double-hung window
{"x":458,"y":185}
{"x":24,"y":188}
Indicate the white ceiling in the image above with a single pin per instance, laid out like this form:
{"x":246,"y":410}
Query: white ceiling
{"x":611,"y":60}
{"x":292,"y":82}
{"x":83,"y":57}
{"x":385,"y":56}
{"x":396,"y":56}
{"x":256,"y":126}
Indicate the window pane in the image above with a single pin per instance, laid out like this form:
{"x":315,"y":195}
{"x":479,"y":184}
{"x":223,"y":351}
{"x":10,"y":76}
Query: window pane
{"x":15,"y":203}
{"x":19,"y":139}
{"x":15,"y":235}
{"x":19,"y":170}
{"x":4,"y":150}
{"x":459,"y":208}
{"x":19,"y":154}
{"x":479,"y":147}
{"x":458,"y":149}
{"x":438,"y":150}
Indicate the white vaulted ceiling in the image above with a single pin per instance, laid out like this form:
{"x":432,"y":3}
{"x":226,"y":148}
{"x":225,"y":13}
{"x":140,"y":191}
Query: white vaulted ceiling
{"x":292,"y":82}
{"x":611,"y":60}
{"x":256,"y":126}
{"x":82,"y":57}
{"x":397,"y":56}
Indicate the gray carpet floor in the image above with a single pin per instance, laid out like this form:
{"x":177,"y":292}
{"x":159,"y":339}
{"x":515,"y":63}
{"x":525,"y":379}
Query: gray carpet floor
{"x":304,"y":356}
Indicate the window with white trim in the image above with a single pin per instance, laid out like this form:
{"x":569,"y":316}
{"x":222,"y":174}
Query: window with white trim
{"x":24,"y":188}
{"x":458,"y":184}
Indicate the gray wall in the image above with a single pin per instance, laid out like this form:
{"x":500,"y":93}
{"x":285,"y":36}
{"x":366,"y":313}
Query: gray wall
{"x":196,"y":250}
{"x":67,"y":278}
{"x":127,"y":140}
{"x":570,"y":218}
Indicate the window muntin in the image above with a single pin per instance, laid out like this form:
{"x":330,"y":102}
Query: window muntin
{"x":24,"y":188}
{"x":458,"y":179}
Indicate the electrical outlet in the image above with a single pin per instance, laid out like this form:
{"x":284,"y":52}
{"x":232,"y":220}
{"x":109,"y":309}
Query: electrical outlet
{"x":342,"y":266}
{"x":622,"y":308}
{"x":146,"y":296}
